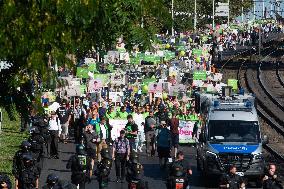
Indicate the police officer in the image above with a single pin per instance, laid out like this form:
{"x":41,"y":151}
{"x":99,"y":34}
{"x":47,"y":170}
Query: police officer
{"x":80,"y":166}
{"x":134,"y":171}
{"x":131,"y":132}
{"x":28,"y":175}
{"x":37,"y":143}
{"x":18,"y":163}
{"x":104,"y":168}
{"x":53,"y":182}
{"x":271,"y":180}
{"x":179,"y":168}
{"x":232,"y":180}
{"x":5,"y":182}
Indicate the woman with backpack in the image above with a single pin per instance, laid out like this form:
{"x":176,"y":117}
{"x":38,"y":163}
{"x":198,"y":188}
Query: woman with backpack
{"x":120,"y":155}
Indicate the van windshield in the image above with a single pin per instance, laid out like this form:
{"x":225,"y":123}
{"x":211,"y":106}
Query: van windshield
{"x":233,"y":131}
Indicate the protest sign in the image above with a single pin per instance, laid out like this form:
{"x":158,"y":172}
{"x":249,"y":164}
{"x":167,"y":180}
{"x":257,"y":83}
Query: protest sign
{"x":102,"y":77}
{"x":113,"y":56}
{"x":82,"y":72}
{"x":93,"y":67}
{"x":185,"y":132}
{"x":118,"y":78}
{"x":158,"y":95}
{"x":94,"y":85}
{"x":117,"y":125}
{"x":233,"y":83}
{"x":174,"y":90}
{"x":75,"y":82}
{"x":155,"y":87}
{"x":115,"y":96}
{"x":199,"y":75}
{"x":89,"y":61}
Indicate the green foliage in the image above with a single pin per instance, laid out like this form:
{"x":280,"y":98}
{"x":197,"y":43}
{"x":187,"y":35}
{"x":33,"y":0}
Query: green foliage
{"x":36,"y":34}
{"x":10,"y":139}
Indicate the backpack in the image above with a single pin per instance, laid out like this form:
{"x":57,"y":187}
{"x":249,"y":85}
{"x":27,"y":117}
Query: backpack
{"x":121,"y":145}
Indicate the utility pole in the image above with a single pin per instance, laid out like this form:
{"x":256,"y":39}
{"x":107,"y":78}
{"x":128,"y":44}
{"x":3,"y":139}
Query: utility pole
{"x":242,"y":11}
{"x":229,"y":13}
{"x":271,"y":9}
{"x":173,"y":18}
{"x":263,"y":9}
{"x":259,"y":40}
{"x":253,"y":10}
{"x":213,"y":16}
{"x":195,"y":15}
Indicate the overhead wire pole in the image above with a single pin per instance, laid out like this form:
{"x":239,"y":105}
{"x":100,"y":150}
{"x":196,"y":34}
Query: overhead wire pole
{"x":242,"y":11}
{"x":229,"y":13}
{"x":263,"y":9}
{"x":253,"y":10}
{"x":173,"y":18}
{"x":195,"y":15}
{"x":213,"y":16}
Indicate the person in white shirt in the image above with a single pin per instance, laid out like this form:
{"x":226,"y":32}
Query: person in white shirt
{"x":54,"y":128}
{"x":139,"y":120}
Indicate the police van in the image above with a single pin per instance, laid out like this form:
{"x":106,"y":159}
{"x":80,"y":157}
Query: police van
{"x":230,"y":134}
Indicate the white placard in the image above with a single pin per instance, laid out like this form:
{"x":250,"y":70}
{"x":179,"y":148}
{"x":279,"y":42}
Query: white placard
{"x":117,"y":126}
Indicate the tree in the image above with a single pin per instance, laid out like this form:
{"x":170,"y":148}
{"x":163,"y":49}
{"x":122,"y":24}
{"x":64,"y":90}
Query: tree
{"x":35,"y":33}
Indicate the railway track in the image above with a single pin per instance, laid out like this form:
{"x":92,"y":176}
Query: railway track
{"x":252,"y":78}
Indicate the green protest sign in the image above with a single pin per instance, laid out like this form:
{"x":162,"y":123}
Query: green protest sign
{"x":82,"y":72}
{"x":181,"y":48}
{"x":199,"y":75}
{"x":93,"y":68}
{"x":197,"y":52}
{"x":149,"y":58}
{"x":103,"y":77}
{"x":135,"y":60}
{"x":148,"y":80}
{"x":233,"y":83}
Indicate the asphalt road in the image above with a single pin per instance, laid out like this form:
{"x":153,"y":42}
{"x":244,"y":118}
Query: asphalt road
{"x":152,"y":172}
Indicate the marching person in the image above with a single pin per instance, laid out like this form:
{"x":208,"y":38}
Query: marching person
{"x":90,"y":139}
{"x":28,"y":175}
{"x":270,"y":179}
{"x":54,"y":128}
{"x":139,"y":119}
{"x":80,"y":115}
{"x":5,"y":182}
{"x":102,"y":129}
{"x":131,"y":132}
{"x":164,"y":144}
{"x":231,"y":180}
{"x":80,"y":165}
{"x":151,"y":122}
{"x":64,"y":116}
{"x":174,"y":127}
{"x":120,"y":154}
